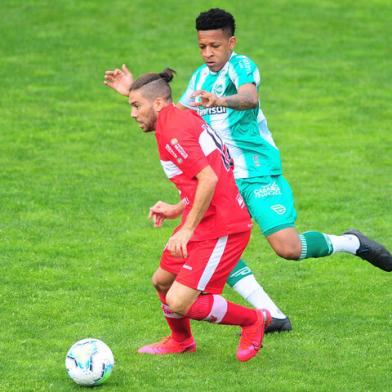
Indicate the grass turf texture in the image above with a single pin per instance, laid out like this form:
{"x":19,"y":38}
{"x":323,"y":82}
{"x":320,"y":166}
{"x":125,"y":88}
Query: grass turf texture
{"x":77,"y":178}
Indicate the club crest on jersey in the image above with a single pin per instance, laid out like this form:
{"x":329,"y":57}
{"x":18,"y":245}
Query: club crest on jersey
{"x":218,"y":89}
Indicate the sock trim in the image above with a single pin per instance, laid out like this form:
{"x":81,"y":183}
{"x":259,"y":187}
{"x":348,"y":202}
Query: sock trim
{"x":304,"y":247}
{"x":329,"y":243}
{"x":169,"y":314}
{"x":218,"y":310}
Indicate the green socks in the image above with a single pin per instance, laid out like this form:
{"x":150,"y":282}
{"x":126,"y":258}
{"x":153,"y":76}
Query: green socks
{"x":315,"y":244}
{"x":240,"y":271}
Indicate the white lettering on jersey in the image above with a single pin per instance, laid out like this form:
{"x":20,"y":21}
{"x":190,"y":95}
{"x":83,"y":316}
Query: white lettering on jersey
{"x":170,"y":150}
{"x":181,"y":150}
{"x":170,"y":169}
{"x":211,"y":111}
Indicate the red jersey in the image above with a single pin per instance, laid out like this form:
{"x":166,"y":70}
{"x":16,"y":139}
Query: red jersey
{"x":187,"y":145}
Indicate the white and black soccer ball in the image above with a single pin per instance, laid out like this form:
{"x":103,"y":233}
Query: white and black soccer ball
{"x":89,"y":362}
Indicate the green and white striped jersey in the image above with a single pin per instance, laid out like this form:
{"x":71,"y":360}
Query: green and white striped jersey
{"x":244,"y":132}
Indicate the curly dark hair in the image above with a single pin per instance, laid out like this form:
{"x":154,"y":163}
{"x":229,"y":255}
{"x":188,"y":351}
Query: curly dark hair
{"x":214,"y":19}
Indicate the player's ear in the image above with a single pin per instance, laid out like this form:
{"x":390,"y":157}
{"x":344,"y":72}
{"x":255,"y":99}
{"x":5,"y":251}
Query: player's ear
{"x":159,"y":103}
{"x":232,"y":42}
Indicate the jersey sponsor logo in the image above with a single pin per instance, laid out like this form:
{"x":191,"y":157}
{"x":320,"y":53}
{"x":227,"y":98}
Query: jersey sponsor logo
{"x":181,"y":150}
{"x":268,"y":190}
{"x":212,"y":111}
{"x":177,"y":146}
{"x":170,"y":169}
{"x":279,"y":209}
{"x":169,"y":149}
{"x":244,"y":63}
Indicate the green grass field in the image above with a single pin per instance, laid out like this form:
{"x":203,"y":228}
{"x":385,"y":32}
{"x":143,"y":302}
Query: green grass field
{"x":77,"y":178}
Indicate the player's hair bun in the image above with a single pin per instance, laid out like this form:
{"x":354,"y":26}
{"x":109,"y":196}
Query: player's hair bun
{"x":167,"y":74}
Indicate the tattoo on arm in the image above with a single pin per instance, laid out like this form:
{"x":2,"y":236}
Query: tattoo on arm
{"x":241,"y":101}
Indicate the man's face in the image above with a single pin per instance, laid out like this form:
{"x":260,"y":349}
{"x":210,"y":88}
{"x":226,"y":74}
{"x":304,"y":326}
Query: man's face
{"x":215,"y":48}
{"x":142,"y":110}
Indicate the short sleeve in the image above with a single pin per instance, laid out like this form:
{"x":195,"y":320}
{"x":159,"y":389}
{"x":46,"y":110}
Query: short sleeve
{"x":242,"y":71}
{"x":186,"y":97}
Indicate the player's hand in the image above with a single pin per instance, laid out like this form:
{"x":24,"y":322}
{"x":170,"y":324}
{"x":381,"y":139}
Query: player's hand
{"x":161,"y":211}
{"x":207,"y":99}
{"x":177,"y":244}
{"x":119,"y":80}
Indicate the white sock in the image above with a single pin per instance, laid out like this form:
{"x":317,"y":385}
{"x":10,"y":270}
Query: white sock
{"x":348,"y":243}
{"x":251,"y":291}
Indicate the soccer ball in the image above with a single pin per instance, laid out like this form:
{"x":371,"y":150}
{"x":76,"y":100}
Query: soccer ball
{"x":89,"y":362}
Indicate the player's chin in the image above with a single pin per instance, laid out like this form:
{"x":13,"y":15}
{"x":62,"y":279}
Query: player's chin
{"x":214,"y":67}
{"x":144,"y":127}
{"x":211,"y":65}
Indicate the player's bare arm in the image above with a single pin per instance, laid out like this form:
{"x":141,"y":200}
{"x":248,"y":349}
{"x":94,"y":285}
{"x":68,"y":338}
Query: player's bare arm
{"x":161,"y":211}
{"x":119,"y":80}
{"x":246,"y":98}
{"x":206,"y":183}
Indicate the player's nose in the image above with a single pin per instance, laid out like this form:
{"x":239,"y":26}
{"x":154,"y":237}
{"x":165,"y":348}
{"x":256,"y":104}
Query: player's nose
{"x":208,"y":52}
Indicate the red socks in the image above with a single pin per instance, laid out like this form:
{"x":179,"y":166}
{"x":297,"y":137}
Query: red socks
{"x":180,"y":326}
{"x":214,"y":308}
{"x":209,"y":307}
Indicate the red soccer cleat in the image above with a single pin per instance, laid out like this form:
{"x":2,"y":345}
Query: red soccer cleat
{"x":251,"y":339}
{"x":169,"y":346}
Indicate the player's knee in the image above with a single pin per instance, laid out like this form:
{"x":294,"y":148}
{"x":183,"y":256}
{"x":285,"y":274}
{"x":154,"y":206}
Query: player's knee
{"x":176,"y":304}
{"x":159,"y":284}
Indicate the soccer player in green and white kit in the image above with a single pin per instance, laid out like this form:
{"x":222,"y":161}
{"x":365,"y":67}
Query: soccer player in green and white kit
{"x":224,"y":91}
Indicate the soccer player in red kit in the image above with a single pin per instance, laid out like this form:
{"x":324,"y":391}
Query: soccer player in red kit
{"x":214,"y":229}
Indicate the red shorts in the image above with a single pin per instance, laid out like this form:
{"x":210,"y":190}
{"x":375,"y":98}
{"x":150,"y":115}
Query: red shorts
{"x":209,"y":262}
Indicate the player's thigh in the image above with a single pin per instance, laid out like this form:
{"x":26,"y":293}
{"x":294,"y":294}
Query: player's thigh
{"x":270,"y":202}
{"x":210,"y":262}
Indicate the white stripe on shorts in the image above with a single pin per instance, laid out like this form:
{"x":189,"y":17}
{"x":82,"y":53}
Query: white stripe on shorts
{"x":212,"y":263}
